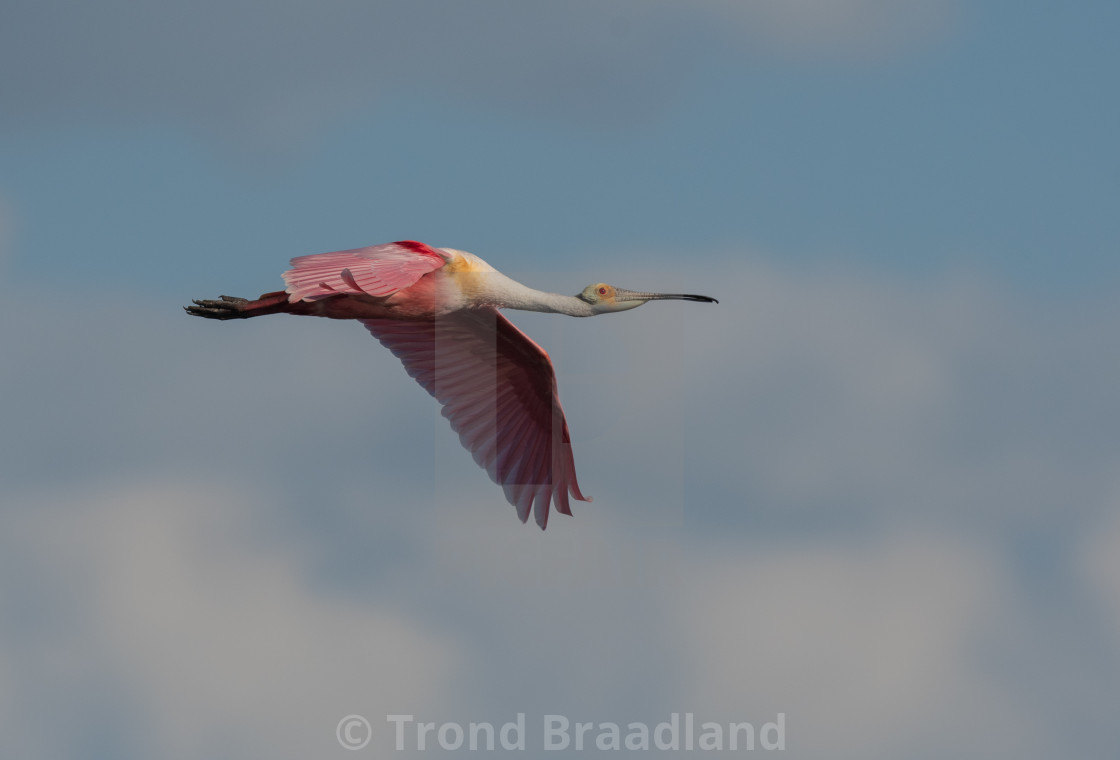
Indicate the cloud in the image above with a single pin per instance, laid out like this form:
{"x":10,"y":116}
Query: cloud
{"x":853,"y":499}
{"x":839,"y":28}
{"x":801,"y":399}
{"x":276,"y":72}
{"x":869,"y":647}
{"x":1099,"y":565}
{"x":947,"y":399}
{"x":200,"y":627}
{"x":7,"y":232}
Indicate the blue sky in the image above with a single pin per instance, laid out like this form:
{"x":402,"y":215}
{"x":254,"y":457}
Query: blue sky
{"x":874,"y":488}
{"x":984,"y":142}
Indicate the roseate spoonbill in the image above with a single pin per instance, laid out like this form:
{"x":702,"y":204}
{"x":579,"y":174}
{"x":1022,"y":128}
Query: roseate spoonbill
{"x":436,"y":309}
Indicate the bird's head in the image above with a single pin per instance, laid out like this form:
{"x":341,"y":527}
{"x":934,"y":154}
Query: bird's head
{"x":606,"y":298}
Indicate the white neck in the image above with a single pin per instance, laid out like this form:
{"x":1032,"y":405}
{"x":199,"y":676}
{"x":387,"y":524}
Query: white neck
{"x":506,"y":293}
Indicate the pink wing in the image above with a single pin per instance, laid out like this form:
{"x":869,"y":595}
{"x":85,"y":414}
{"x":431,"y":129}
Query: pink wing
{"x":498,"y":390}
{"x":379,"y":270}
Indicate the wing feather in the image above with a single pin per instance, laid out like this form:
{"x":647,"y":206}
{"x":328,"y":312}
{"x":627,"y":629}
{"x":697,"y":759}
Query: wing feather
{"x":498,"y":390}
{"x":377,"y":270}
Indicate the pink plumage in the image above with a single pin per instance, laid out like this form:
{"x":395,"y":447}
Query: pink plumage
{"x":498,"y":390}
{"x":377,"y":270}
{"x":436,"y":309}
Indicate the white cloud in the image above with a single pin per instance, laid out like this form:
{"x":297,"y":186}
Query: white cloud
{"x":202,"y":627}
{"x":842,"y":469}
{"x":870,"y":647}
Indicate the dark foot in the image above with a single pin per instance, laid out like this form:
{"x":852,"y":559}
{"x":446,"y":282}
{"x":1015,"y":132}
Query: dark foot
{"x":224,"y":307}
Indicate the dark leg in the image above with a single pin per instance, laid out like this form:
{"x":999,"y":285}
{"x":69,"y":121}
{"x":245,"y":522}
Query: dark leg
{"x":228,"y":307}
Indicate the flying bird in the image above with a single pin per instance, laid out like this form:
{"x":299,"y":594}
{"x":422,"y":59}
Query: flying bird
{"x":436,"y":309}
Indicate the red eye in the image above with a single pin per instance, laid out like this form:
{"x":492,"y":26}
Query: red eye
{"x":602,"y":291}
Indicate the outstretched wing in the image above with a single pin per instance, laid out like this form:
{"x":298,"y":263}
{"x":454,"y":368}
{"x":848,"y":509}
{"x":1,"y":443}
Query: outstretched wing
{"x":378,"y":270}
{"x":498,"y":390}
